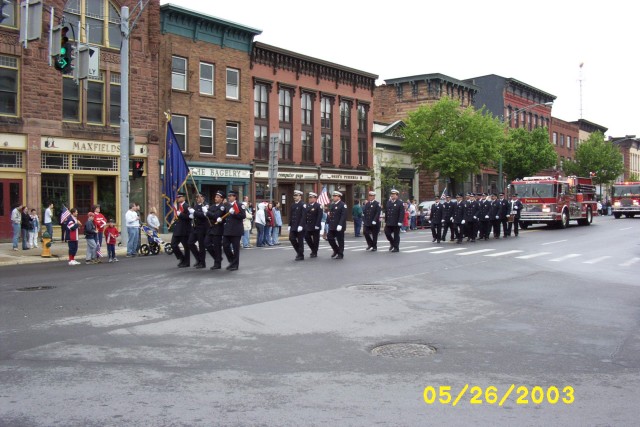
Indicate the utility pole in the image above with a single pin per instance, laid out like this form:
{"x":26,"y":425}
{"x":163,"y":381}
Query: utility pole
{"x":124,"y":122}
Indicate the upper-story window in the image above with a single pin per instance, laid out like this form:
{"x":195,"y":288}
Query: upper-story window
{"x":561,"y":140}
{"x":325,"y":112}
{"x":95,"y":100}
{"x":260,"y":101}
{"x":233,"y":139}
{"x":179,"y":125}
{"x":555,"y":138}
{"x":345,"y":115}
{"x":9,"y":11}
{"x":284,"y":105}
{"x":206,"y":136}
{"x":9,"y":86}
{"x":568,"y":141}
{"x":99,"y":21}
{"x":114,"y":99}
{"x":178,"y":73}
{"x":207,"y":71}
{"x":306,"y":105}
{"x":233,"y":83}
{"x":362,"y":118}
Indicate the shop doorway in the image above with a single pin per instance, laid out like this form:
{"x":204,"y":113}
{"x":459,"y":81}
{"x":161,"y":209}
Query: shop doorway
{"x":107,"y":196}
{"x":209,"y":192}
{"x":10,"y":197}
{"x":82,"y":198}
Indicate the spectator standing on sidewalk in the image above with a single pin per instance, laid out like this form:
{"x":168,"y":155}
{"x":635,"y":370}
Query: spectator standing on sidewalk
{"x":356,"y":212}
{"x":16,"y":221}
{"x":25,"y":227}
{"x":260,"y":222}
{"x":246,"y":224}
{"x":277,"y":226}
{"x":111,"y":233}
{"x":90,"y":231}
{"x":133,"y":226}
{"x":101,"y":223}
{"x":72,"y":226}
{"x":413,"y":212}
{"x":35,"y":229}
{"x":48,"y":219}
{"x":269,"y":224}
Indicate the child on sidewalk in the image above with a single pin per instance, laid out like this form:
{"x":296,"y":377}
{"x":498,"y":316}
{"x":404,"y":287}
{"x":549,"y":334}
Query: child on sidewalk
{"x":72,"y":226}
{"x":110,"y":234}
{"x":90,"y":233}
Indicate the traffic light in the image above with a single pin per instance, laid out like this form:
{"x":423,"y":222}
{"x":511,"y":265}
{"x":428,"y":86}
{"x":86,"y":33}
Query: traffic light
{"x":138,"y":168}
{"x":63,"y":61}
{"x":4,"y":14}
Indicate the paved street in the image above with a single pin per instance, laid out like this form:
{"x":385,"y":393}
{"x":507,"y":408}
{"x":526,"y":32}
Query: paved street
{"x":285,"y":343}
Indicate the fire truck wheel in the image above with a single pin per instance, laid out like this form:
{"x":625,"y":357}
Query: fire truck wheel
{"x":564,"y":222}
{"x":617,"y":215}
{"x":588,"y":219}
{"x":524,"y":225}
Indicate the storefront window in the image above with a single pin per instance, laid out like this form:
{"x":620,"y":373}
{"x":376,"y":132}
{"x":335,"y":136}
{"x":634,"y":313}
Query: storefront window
{"x":262,"y":191}
{"x":138,"y":195}
{"x":55,"y":188}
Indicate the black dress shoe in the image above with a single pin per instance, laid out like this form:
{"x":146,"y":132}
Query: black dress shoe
{"x":232,"y":268}
{"x":183,"y":265}
{"x":433,"y":240}
{"x":313,"y":255}
{"x":368,"y":248}
{"x":339,"y":256}
{"x":390,"y":248}
{"x":395,"y":250}
{"x":201,"y":266}
{"x":335,"y":254}
{"x":216,"y":267}
{"x":300,"y":258}
{"x":374,"y":249}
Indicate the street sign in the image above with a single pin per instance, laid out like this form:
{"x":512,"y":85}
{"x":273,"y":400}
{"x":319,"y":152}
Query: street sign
{"x":94,"y":62}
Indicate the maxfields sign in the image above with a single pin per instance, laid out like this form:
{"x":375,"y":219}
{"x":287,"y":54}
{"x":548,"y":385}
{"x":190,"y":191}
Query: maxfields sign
{"x":52,"y":144}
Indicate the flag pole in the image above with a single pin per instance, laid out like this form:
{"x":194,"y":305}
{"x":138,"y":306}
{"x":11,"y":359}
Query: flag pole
{"x":167,"y":116}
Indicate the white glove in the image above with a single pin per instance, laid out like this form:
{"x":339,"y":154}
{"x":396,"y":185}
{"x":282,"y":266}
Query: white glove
{"x":399,"y":224}
{"x":289,"y":228}
{"x":231,"y":211}
{"x":443,"y":220}
{"x":373,"y":223}
{"x":191,"y":215}
{"x":299,"y":228}
{"x":486,"y":216}
{"x":462,"y":222}
{"x":205,"y":209}
{"x":219,"y":220}
{"x":497,"y":217}
{"x":339,"y":228}
{"x":322,"y":225}
{"x":475,"y":217}
{"x":451,"y":219}
{"x":317,"y":228}
{"x":191,"y":211}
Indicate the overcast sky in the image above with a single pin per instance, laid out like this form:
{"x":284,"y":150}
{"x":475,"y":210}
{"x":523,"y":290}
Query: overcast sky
{"x":541,"y":43}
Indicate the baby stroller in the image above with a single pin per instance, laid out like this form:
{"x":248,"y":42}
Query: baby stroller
{"x":154,"y":242}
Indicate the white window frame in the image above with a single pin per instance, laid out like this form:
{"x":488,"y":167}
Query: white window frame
{"x":233,"y":90}
{"x":175,"y":75}
{"x":211,"y":131}
{"x":176,"y":117}
{"x":235,"y":126}
{"x":206,"y":80}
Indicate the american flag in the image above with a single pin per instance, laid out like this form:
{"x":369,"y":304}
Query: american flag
{"x":444,"y":193}
{"x":324,"y":197}
{"x":64,"y":214}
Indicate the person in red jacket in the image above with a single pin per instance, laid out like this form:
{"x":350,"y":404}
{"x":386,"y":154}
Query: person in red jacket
{"x":73,"y":224}
{"x":101,"y":223}
{"x":110,"y":235}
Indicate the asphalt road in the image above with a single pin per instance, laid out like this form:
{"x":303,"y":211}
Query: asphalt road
{"x":283,"y":343}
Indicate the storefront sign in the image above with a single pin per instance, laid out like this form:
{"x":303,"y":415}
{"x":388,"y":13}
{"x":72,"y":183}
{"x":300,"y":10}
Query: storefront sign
{"x":305,"y":176}
{"x":53,"y":144}
{"x":220,"y":173}
{"x":13,"y":141}
{"x":344,"y":177}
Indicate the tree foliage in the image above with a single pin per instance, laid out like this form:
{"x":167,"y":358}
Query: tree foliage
{"x":527,"y":152}
{"x":452,"y":140}
{"x":390,"y":176}
{"x":595,"y":155}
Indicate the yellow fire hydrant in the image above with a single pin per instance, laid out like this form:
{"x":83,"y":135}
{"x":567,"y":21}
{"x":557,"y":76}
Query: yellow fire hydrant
{"x":46,"y":245}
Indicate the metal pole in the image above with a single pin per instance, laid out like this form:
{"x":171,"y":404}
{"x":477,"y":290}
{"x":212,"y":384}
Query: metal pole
{"x":124,"y":122}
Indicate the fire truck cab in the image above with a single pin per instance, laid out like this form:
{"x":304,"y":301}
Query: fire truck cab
{"x":626,"y":199}
{"x":556,"y":201}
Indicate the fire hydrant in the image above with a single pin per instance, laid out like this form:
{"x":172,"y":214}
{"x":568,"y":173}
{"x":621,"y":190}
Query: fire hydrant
{"x":46,"y":245}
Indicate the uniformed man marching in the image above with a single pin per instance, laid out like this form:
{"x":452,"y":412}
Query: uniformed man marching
{"x":312,"y":224}
{"x":504,"y":213}
{"x":495,"y":215}
{"x":213,"y":242}
{"x":337,"y":220}
{"x":198,"y":231}
{"x":471,"y":210}
{"x":371,"y":221}
{"x":484,"y":217}
{"x":393,"y":216}
{"x":436,"y":217}
{"x":296,"y":224}
{"x":233,"y":231}
{"x":181,"y":232}
{"x":458,"y":217}
{"x":515,"y":208}
{"x":447,"y":216}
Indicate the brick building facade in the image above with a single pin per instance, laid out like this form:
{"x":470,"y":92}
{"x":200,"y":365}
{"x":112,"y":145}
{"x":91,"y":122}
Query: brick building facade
{"x":564,"y":137}
{"x":60,"y":141}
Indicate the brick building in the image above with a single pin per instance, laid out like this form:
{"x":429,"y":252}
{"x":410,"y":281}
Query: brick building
{"x":59,"y":141}
{"x":205,"y":82}
{"x":564,"y":137}
{"x":629,"y":146}
{"x":321,"y":113}
{"x":399,"y":96}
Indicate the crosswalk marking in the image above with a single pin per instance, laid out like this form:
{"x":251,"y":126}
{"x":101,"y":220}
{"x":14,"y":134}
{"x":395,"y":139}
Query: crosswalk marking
{"x":505,"y":253}
{"x":562,"y":258}
{"x":449,"y":250}
{"x":595,"y":260}
{"x":423,"y":249}
{"x":533,"y":255}
{"x":551,"y":243}
{"x":477,"y":252}
{"x":630,"y":262}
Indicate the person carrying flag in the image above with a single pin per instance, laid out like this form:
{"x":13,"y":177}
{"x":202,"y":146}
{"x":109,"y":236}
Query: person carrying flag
{"x":233,"y":231}
{"x":181,"y":232}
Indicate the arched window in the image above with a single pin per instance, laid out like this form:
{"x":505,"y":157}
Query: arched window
{"x":99,"y":20}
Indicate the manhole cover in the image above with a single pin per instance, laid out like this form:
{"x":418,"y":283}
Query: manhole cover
{"x":373,"y":287}
{"x":36,"y":288}
{"x":403,"y":350}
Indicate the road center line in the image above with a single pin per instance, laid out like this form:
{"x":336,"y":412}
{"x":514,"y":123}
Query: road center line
{"x":562,"y":258}
{"x":551,"y":243}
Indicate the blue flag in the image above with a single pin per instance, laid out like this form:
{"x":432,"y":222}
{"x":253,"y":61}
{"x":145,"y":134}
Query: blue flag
{"x":176,"y":173}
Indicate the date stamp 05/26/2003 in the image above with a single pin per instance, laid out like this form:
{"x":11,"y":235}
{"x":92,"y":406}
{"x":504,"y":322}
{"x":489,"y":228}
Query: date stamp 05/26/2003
{"x":492,"y":395}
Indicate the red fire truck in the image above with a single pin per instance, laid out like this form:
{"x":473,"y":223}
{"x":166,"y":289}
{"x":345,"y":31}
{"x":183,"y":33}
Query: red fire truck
{"x":556,"y":201}
{"x":626,"y":199}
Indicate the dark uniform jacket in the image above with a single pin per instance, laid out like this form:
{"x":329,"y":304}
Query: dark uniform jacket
{"x":200,"y":221}
{"x":448,"y":209}
{"x":436,"y":212}
{"x":296,"y":217}
{"x":371,"y":213}
{"x":313,"y":217}
{"x":233,"y":224}
{"x":515,"y":208}
{"x":337,"y":216}
{"x":458,"y":213}
{"x":496,"y":207}
{"x":215,"y":212}
{"x":182,"y":226}
{"x":394,"y":213}
{"x":504,"y":208}
{"x":471,"y":211}
{"x":485,"y":210}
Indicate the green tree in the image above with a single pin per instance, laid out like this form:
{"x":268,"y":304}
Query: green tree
{"x":450,"y":140}
{"x":527,"y":152}
{"x":390,"y":176}
{"x":595,"y":155}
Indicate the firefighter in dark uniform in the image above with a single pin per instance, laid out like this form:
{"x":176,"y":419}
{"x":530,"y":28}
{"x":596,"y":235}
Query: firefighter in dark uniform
{"x":471,"y":211}
{"x":296,"y":224}
{"x":371,"y":221}
{"x":458,"y":217}
{"x":337,"y":220}
{"x":494,"y":214}
{"x":436,"y":218}
{"x":485,"y":217}
{"x":515,"y":208}
{"x":312,"y":224}
{"x":447,"y":215}
{"x":393,"y":217}
{"x":199,"y":231}
{"x":504,"y":213}
{"x":233,"y":231}
{"x":181,"y":232}
{"x":213,"y":242}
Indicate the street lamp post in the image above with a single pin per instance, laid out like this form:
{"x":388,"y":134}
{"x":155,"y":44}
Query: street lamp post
{"x":508,"y":118}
